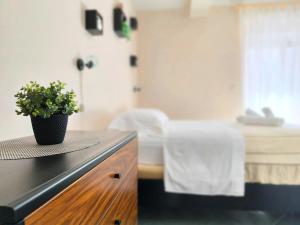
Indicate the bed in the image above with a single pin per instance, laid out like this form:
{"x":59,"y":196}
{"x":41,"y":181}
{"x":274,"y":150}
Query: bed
{"x":272,"y":155}
{"x":272,"y":166}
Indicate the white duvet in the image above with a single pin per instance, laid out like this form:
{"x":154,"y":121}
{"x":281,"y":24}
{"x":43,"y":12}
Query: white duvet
{"x":205,"y":158}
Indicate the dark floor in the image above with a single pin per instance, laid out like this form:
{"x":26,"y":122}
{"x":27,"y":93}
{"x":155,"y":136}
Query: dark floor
{"x":214,"y":217}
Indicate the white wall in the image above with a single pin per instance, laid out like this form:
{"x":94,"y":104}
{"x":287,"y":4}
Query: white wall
{"x":190,"y":68}
{"x":41,"y":39}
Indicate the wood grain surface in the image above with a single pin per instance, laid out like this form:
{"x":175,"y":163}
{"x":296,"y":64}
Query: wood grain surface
{"x":88,"y":200}
{"x":124,"y":209}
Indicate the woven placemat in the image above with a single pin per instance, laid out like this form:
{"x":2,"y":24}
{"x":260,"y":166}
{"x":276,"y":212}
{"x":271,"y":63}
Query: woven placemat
{"x":24,"y":148}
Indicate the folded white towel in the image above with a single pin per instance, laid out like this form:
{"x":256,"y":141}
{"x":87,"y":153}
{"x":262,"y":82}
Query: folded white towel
{"x":268,"y":112}
{"x":250,"y":112}
{"x":260,"y":121}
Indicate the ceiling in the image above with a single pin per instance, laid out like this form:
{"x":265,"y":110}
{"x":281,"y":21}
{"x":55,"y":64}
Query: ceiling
{"x":176,"y":4}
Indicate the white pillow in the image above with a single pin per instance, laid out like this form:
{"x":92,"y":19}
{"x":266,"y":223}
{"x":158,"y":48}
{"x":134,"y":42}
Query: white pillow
{"x":148,"y":122}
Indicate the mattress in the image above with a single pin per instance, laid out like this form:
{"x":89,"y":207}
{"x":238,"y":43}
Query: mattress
{"x":271,"y":140}
{"x":272,"y":155}
{"x":254,"y":173}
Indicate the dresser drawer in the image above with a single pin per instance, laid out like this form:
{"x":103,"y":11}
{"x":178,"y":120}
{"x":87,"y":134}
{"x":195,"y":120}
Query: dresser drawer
{"x":87,"y":200}
{"x":123,"y":211}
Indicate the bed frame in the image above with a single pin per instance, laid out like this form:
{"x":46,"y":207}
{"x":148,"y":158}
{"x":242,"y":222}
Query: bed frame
{"x":264,"y":197}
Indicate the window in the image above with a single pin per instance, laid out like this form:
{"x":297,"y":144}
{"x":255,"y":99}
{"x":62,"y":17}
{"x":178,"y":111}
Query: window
{"x":271,"y":57}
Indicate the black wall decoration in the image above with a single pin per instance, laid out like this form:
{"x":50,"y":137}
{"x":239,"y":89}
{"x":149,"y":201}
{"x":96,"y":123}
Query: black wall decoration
{"x":94,"y":22}
{"x":119,"y":18}
{"x":136,"y":89}
{"x":81,"y":64}
{"x":133,"y":23}
{"x":133,"y":60}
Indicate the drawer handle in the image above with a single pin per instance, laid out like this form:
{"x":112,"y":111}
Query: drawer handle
{"x":117,"y":222}
{"x":117,"y":176}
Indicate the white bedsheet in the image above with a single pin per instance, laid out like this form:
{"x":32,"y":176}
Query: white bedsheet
{"x":151,"y":150}
{"x":205,"y":158}
{"x":264,"y":145}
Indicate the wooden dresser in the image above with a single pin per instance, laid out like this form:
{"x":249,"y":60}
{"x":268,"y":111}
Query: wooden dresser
{"x":105,"y":192}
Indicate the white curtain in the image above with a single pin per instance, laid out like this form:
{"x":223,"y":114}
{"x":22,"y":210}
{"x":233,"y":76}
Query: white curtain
{"x":271,"y":60}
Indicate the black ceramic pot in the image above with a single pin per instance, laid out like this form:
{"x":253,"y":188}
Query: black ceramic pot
{"x":51,"y":130}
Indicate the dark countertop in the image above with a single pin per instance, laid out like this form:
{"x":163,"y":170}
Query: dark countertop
{"x":26,"y":184}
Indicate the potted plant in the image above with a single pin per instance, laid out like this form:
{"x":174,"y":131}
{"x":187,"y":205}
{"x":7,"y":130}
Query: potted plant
{"x":126,"y":30}
{"x":49,"y":108}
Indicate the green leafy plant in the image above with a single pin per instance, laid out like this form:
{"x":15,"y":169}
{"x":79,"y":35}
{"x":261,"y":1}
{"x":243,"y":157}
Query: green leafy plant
{"x":36,"y":100}
{"x":126,"y":30}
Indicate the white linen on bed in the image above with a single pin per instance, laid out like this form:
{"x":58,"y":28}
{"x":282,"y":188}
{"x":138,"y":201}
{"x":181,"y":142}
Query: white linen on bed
{"x":148,"y":122}
{"x":264,"y":145}
{"x":205,"y":158}
{"x":151,"y":150}
{"x":261,"y":121}
{"x":271,"y":140}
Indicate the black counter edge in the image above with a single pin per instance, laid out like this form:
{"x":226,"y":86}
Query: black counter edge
{"x":18,"y":210}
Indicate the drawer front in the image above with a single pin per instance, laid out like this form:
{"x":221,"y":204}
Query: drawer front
{"x":124,"y":209}
{"x":87,"y":200}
